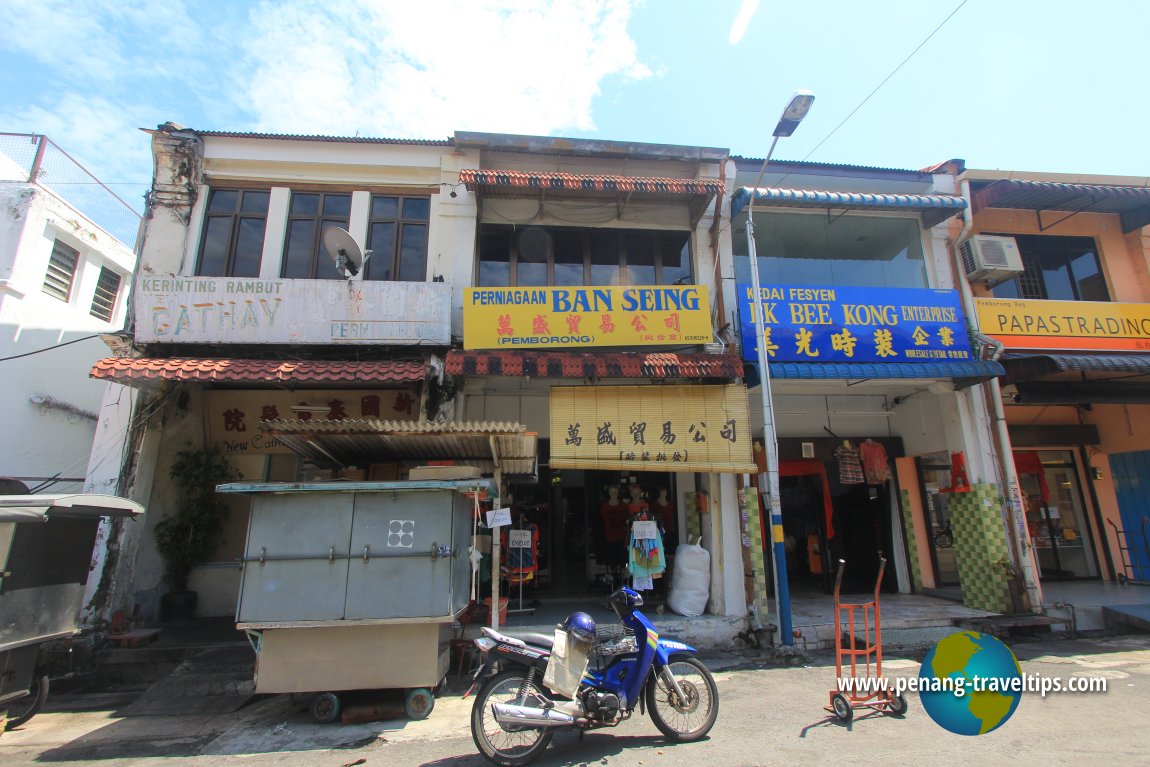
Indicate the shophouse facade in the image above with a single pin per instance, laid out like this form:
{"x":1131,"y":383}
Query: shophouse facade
{"x":884,"y":433}
{"x":1059,"y":273}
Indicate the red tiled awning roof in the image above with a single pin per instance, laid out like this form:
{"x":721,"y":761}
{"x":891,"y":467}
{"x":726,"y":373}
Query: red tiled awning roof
{"x":127,"y":370}
{"x":575,"y":182}
{"x":599,"y":364}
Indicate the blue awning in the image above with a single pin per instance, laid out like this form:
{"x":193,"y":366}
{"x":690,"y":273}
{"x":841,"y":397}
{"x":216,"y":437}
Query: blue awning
{"x":934,"y":208}
{"x":962,"y":372}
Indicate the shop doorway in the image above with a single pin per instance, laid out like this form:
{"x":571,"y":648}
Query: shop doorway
{"x":1056,"y":514}
{"x":934,"y":476}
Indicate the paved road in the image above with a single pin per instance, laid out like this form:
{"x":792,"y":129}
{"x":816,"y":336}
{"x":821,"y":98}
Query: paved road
{"x":768,"y":716}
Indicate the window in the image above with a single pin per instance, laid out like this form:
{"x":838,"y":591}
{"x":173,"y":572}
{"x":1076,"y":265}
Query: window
{"x":398,"y":239}
{"x":61,"y":271}
{"x":233,"y":240}
{"x":309,"y":213}
{"x":107,"y":290}
{"x":850,"y":250}
{"x":538,"y":255}
{"x":1057,"y":269}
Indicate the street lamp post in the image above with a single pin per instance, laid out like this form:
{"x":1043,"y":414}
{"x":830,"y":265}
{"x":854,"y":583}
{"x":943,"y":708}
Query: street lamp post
{"x":796,"y":110}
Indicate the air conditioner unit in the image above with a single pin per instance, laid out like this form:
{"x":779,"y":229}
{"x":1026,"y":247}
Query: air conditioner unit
{"x":990,"y":259}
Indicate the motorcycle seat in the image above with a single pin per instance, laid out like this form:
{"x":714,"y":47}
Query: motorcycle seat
{"x":533,"y":638}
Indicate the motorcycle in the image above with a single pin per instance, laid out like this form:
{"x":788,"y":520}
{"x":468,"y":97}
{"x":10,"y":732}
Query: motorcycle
{"x":586,"y":677}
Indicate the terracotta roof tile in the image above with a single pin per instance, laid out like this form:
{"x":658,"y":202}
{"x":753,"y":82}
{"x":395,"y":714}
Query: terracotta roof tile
{"x":570,"y":181}
{"x":599,"y":364}
{"x":128,"y":370}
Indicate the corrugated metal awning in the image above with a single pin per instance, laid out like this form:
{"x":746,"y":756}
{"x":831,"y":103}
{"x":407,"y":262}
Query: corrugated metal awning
{"x":37,"y":508}
{"x":338,"y":444}
{"x":136,"y":371}
{"x":933,"y":208}
{"x":1028,"y":367}
{"x":1132,"y":203}
{"x":962,"y":372}
{"x":564,"y":364}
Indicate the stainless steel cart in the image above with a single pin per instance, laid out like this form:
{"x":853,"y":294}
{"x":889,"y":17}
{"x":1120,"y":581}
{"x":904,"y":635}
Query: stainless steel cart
{"x":45,"y":556}
{"x":355,"y":586}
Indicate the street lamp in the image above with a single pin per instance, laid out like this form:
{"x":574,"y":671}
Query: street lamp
{"x":796,"y":110}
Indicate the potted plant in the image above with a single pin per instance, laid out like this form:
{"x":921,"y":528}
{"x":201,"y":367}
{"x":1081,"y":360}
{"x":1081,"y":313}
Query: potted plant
{"x":191,"y":534}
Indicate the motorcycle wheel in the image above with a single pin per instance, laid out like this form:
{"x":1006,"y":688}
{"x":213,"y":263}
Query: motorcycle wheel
{"x":20,"y":711}
{"x":689,"y":720}
{"x":514,"y":747}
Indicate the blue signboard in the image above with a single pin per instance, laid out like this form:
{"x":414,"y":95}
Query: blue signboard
{"x":819,"y":324}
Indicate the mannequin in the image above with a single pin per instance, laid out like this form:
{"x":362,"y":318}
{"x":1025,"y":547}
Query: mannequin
{"x":614,"y":515}
{"x":665,"y":512}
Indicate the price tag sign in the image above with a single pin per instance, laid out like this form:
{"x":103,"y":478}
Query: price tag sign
{"x":499,"y":517}
{"x":519,"y":539}
{"x":645,"y":530}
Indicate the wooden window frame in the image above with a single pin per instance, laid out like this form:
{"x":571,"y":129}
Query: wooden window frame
{"x":317,"y":235}
{"x":401,"y":222}
{"x":99,"y":306}
{"x":67,"y":252}
{"x":237,"y":216}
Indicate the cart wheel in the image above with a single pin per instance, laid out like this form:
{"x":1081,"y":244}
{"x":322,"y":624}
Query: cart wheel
{"x":23,"y":709}
{"x":843,"y":709}
{"x":897,"y":705}
{"x":418,"y":703}
{"x":325,"y":707}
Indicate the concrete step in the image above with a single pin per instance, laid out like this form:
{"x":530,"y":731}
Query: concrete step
{"x":1127,"y":616}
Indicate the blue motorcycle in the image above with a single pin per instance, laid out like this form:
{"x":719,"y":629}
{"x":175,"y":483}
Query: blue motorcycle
{"x":586,"y":677}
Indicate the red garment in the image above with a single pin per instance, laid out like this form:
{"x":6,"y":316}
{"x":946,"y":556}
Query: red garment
{"x":807,"y":467}
{"x":876,"y":465}
{"x":666,"y":513}
{"x":614,"y":521}
{"x":1030,"y":463}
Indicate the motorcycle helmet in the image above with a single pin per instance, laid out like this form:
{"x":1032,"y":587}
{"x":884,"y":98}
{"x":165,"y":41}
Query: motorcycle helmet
{"x":580,"y":627}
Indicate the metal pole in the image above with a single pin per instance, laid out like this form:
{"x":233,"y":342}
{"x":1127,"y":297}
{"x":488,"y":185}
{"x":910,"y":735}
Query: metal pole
{"x":770,"y":441}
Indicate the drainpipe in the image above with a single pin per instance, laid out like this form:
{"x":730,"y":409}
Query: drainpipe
{"x":1019,"y":534}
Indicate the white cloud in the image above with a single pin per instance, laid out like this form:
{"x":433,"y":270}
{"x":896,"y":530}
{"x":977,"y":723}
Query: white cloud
{"x":742,"y":20}
{"x":426,"y":69}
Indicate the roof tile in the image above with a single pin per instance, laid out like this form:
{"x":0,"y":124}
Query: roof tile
{"x":686,"y":186}
{"x":129,"y":370}
{"x":565,"y":364}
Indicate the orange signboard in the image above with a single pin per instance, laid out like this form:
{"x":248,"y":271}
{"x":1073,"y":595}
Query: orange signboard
{"x":1066,"y":325}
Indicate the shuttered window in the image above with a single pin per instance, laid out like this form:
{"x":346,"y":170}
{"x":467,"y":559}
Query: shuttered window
{"x":61,"y":271}
{"x":107,"y":291}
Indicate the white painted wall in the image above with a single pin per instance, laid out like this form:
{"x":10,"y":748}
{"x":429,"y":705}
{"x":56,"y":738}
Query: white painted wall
{"x":40,"y":438}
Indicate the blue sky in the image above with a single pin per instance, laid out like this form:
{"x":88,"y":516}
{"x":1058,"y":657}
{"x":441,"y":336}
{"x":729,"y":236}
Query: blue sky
{"x":1036,"y":85}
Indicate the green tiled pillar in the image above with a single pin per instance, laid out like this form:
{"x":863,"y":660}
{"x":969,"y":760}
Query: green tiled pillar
{"x":754,"y":530}
{"x":694,"y":526}
{"x":979,"y":542}
{"x":911,"y":533}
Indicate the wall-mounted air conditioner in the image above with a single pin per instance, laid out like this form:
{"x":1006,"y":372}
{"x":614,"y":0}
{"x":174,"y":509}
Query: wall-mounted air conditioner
{"x":990,"y":259}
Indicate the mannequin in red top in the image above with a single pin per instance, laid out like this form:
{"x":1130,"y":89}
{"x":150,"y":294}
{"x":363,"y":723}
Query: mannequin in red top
{"x":614,"y":514}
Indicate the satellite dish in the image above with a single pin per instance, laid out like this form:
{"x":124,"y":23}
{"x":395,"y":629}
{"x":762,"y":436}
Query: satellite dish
{"x":344,"y":251}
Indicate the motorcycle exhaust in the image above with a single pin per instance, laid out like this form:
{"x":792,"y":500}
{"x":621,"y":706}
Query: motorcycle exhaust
{"x":528,"y":716}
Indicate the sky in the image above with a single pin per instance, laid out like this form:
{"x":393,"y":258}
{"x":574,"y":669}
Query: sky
{"x":1036,"y":85}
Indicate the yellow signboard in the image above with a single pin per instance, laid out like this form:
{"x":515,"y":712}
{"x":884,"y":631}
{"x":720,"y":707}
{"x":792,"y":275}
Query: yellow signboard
{"x":1071,"y":325}
{"x":533,"y":318}
{"x":651,"y":428}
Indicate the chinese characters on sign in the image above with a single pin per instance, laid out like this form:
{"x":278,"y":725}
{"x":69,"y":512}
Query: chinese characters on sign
{"x":496,"y":318}
{"x":808,"y":324}
{"x":664,"y":428}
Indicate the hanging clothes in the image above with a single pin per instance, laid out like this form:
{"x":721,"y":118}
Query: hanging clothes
{"x":645,"y":549}
{"x":850,"y":467}
{"x":876,"y":465}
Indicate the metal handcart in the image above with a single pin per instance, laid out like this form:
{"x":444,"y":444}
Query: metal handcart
{"x":1135,"y":560}
{"x":865,"y":660}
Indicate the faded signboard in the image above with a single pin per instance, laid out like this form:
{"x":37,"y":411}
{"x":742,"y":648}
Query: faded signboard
{"x":235,"y":310}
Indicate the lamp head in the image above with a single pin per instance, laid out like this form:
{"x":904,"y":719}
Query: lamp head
{"x":796,"y":110}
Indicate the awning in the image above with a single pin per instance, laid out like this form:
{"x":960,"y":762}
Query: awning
{"x":37,"y":508}
{"x":1132,"y":203}
{"x":963,"y":372}
{"x":339,"y":444}
{"x":598,"y":365}
{"x":1079,"y":378}
{"x":141,"y":370}
{"x":934,"y":208}
{"x":695,"y":192}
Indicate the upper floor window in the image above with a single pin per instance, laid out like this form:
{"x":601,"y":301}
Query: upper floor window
{"x":398,"y":238}
{"x":849,"y":250}
{"x":233,"y":240}
{"x":309,"y":213}
{"x":107,"y":291}
{"x":539,"y":256}
{"x":61,"y":271}
{"x":1057,"y":269}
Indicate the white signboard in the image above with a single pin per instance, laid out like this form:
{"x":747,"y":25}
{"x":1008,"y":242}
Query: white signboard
{"x":644,"y":530}
{"x":499,"y":517}
{"x":519,"y":539}
{"x":196,"y":310}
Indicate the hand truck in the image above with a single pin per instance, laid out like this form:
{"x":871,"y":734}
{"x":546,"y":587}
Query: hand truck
{"x":844,"y":700}
{"x":1129,"y":553}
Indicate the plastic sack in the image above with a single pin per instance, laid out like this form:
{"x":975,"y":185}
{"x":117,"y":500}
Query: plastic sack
{"x":690,"y":580}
